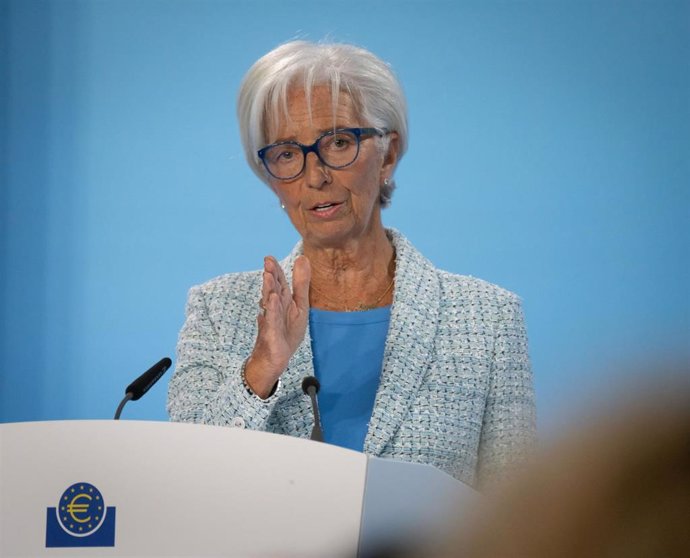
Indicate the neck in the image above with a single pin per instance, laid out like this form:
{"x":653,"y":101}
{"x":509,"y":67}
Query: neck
{"x":355,"y":276}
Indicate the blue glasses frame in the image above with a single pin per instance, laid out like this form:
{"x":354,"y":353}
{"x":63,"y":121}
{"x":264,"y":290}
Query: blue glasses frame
{"x":314,"y":148}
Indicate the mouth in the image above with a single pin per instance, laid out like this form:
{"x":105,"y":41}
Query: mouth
{"x":326,"y":210}
{"x":325,"y":207}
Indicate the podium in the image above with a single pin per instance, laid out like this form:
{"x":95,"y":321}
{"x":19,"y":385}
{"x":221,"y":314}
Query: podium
{"x":132,"y":488}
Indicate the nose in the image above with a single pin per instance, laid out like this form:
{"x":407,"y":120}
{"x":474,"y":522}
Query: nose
{"x":316,"y":173}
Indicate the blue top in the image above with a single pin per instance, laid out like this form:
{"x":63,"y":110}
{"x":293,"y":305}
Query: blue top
{"x":348,"y":357}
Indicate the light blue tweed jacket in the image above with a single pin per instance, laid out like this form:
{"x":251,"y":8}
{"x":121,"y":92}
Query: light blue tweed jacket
{"x":456,"y":387}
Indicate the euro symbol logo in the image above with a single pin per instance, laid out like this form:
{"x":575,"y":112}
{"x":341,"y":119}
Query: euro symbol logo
{"x":74,"y":508}
{"x":81,"y":510}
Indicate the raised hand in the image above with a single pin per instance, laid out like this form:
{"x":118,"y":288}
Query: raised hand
{"x":282,"y":323}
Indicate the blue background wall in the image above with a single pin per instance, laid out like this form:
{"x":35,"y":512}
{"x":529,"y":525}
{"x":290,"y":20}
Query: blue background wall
{"x":549,"y":153}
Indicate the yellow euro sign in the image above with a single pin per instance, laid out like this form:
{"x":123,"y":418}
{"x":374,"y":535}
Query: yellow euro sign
{"x":76,"y":508}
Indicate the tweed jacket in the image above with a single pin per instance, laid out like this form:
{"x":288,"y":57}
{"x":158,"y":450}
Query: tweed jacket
{"x":455,"y":389}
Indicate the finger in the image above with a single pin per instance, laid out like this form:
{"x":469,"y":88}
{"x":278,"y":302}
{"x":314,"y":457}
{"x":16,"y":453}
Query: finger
{"x":267,"y":318}
{"x":283,"y":287}
{"x":268,"y":286}
{"x":301,"y":277}
{"x":272,"y":269}
{"x":273,"y":317}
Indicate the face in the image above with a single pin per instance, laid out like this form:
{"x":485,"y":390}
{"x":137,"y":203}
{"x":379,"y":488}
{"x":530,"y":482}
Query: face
{"x":332,"y":207}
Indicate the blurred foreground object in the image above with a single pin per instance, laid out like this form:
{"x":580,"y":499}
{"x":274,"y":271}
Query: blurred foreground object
{"x":617,"y":487}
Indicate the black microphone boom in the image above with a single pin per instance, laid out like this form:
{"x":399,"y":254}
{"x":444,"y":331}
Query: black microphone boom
{"x":311,"y":386}
{"x":143,"y":383}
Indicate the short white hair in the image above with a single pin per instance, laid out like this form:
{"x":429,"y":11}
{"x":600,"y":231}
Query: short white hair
{"x":376,"y":94}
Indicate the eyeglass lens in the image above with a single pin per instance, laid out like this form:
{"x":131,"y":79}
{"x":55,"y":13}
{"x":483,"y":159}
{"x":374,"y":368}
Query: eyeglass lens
{"x":336,"y":149}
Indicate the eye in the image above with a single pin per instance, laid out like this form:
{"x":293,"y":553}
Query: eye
{"x":339,"y":141}
{"x":282,"y":154}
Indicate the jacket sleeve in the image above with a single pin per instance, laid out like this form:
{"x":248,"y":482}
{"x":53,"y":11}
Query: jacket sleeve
{"x":207,"y":384}
{"x":509,"y":422}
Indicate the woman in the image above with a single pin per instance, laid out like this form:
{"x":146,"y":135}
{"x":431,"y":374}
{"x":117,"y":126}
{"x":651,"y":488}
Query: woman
{"x":415,"y":363}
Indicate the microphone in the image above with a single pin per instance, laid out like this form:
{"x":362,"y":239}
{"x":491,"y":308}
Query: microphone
{"x":310,"y":386}
{"x":143,"y":383}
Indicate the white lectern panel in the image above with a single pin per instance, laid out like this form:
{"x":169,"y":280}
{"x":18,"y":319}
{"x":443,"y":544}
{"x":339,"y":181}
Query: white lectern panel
{"x":182,"y":489}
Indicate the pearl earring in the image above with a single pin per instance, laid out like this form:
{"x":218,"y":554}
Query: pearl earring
{"x":282,"y":205}
{"x":386,"y":182}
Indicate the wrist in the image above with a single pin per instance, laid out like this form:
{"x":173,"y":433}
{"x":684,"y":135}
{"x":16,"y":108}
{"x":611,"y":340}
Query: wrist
{"x":258,"y":383}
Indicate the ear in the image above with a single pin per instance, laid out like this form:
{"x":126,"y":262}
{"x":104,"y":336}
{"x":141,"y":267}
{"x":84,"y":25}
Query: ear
{"x":390,"y":158}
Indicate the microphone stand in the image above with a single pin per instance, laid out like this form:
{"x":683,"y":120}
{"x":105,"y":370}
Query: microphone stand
{"x":128,"y":397}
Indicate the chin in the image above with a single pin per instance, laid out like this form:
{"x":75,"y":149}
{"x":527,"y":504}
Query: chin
{"x":332,"y":236}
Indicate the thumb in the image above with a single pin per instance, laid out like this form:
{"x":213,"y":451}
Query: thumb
{"x":301,"y":277}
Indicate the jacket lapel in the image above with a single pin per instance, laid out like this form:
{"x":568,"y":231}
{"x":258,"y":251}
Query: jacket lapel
{"x":409,"y":345}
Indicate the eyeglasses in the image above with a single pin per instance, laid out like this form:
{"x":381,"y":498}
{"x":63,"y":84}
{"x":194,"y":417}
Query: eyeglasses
{"x":336,"y":149}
